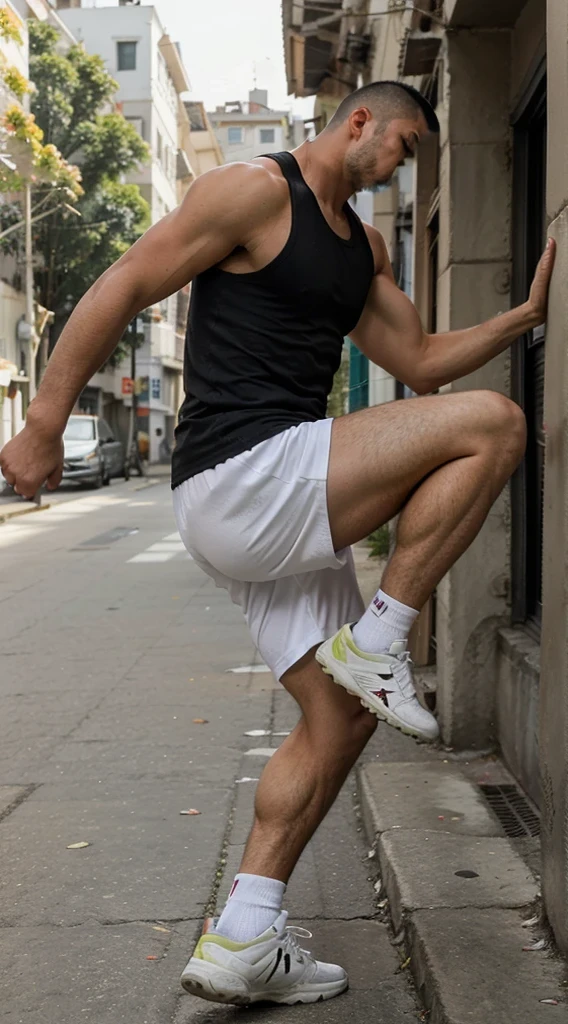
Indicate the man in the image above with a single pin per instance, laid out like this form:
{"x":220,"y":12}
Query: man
{"x":269,"y":494}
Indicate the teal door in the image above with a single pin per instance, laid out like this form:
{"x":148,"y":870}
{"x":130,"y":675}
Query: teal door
{"x":358,"y":379}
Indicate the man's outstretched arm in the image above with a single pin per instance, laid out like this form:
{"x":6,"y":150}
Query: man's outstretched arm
{"x":390,"y":333}
{"x":220,"y":211}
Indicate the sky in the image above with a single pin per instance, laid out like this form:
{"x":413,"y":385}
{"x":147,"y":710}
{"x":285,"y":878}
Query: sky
{"x":226,"y":44}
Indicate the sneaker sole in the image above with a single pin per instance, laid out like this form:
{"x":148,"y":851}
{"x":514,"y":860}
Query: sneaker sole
{"x":334,"y":670}
{"x":206,"y":981}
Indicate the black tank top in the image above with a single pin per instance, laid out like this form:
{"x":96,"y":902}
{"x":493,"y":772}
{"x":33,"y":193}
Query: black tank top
{"x":262,"y":348}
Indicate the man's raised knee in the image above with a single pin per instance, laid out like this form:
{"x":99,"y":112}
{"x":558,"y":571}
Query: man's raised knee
{"x":503,"y":418}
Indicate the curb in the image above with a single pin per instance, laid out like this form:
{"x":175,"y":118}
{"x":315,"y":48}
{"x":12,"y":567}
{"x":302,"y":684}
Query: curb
{"x":6,"y":516}
{"x":459,"y":896}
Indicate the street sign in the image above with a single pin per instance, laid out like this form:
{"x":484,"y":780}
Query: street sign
{"x":127,"y":385}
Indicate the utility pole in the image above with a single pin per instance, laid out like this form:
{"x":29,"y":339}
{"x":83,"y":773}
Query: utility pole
{"x":133,"y":459}
{"x":29,"y":288}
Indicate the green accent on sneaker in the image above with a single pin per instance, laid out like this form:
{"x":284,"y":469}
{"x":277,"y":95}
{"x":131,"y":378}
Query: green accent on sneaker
{"x":350,"y":643}
{"x":200,"y":952}
{"x":337,"y":647}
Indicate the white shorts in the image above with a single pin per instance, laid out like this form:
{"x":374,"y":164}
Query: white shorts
{"x":258,"y":524}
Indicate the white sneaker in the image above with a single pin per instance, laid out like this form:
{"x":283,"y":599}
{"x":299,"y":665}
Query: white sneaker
{"x":271,"y":968}
{"x":383,"y":683}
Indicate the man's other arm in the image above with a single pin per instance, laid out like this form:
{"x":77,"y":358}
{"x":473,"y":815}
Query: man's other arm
{"x":221,"y":210}
{"x":390,"y":333}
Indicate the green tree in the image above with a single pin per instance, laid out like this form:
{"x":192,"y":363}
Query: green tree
{"x":72,"y":105}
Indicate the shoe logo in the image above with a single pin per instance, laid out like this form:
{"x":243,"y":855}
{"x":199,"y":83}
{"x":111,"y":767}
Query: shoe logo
{"x":379,"y":607}
{"x":383,"y":695}
{"x":287,"y":964}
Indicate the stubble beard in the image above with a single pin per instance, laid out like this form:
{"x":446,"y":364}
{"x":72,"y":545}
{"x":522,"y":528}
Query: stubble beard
{"x":362,"y":167}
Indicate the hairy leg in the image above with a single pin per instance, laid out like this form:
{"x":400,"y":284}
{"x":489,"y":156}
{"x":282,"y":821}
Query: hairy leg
{"x":442,"y":460}
{"x":302,"y":780}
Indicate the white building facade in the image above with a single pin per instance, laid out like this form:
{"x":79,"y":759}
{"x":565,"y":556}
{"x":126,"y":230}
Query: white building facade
{"x":148,"y":68}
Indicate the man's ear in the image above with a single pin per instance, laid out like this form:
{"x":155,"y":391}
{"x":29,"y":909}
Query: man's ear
{"x":358,"y":119}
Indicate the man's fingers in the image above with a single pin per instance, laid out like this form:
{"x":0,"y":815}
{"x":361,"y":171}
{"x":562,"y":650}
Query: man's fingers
{"x":54,"y":479}
{"x":546,"y":263}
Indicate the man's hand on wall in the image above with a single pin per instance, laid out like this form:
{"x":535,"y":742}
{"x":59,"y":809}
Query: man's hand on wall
{"x":538,"y":296}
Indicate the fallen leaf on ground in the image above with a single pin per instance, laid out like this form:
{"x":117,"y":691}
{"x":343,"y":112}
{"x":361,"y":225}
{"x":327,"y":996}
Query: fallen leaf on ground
{"x":378,"y":886}
{"x":550,"y":1002}
{"x":200,"y":721}
{"x":247,"y":779}
{"x":191,"y":811}
{"x":441,"y":817}
{"x":530,"y":922}
{"x":152,"y":958}
{"x":405,"y":964}
{"x":158,"y":928}
{"x":77,"y":846}
{"x":536,"y":947}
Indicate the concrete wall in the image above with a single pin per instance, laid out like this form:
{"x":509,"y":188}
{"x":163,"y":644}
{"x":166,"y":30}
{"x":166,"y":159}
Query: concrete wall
{"x":474,"y":282}
{"x":554,"y":648}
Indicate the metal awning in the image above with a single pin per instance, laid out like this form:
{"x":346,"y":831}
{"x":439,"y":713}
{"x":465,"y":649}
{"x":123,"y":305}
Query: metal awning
{"x":420,"y":52}
{"x":311,"y":35}
{"x":483,"y":13}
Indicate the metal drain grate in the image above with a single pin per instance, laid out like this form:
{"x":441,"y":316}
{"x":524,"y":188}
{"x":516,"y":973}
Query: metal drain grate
{"x":513,"y":811}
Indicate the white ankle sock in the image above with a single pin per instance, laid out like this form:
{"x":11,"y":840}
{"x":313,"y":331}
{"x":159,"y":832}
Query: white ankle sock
{"x":385,"y":621}
{"x":253,"y":906}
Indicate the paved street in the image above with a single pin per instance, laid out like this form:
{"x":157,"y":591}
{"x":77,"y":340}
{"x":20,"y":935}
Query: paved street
{"x":113,"y":647}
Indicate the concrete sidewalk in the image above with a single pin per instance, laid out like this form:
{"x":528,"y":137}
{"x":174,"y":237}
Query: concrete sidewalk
{"x":462,"y":897}
{"x":119,"y":711}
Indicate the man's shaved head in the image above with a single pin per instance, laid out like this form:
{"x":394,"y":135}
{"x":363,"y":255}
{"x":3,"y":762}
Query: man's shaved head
{"x":387,"y":101}
{"x":376,"y":129}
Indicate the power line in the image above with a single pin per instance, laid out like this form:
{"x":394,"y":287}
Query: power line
{"x":340,"y":14}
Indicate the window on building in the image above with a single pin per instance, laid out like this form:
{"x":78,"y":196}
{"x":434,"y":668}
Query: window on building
{"x":234,"y":136}
{"x":267,"y":136}
{"x":159,"y":147}
{"x":126,"y":56}
{"x":529,"y":236}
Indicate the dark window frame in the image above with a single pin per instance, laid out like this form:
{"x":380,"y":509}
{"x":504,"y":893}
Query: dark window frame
{"x":121,"y":43}
{"x":529,"y":221}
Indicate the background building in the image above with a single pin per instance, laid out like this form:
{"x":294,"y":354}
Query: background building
{"x":246,"y":130}
{"x":148,"y":68}
{"x":17,"y":351}
{"x":484,"y":196}
{"x":153,"y":85}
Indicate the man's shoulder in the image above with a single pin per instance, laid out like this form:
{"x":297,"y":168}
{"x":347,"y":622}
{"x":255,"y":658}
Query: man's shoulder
{"x":260,"y":178}
{"x":378,"y":247}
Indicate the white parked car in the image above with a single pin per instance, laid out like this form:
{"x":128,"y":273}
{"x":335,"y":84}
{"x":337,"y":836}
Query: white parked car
{"x":92,"y":453}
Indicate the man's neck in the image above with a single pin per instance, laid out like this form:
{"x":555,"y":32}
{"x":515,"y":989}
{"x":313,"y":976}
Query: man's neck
{"x":322,"y":165}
